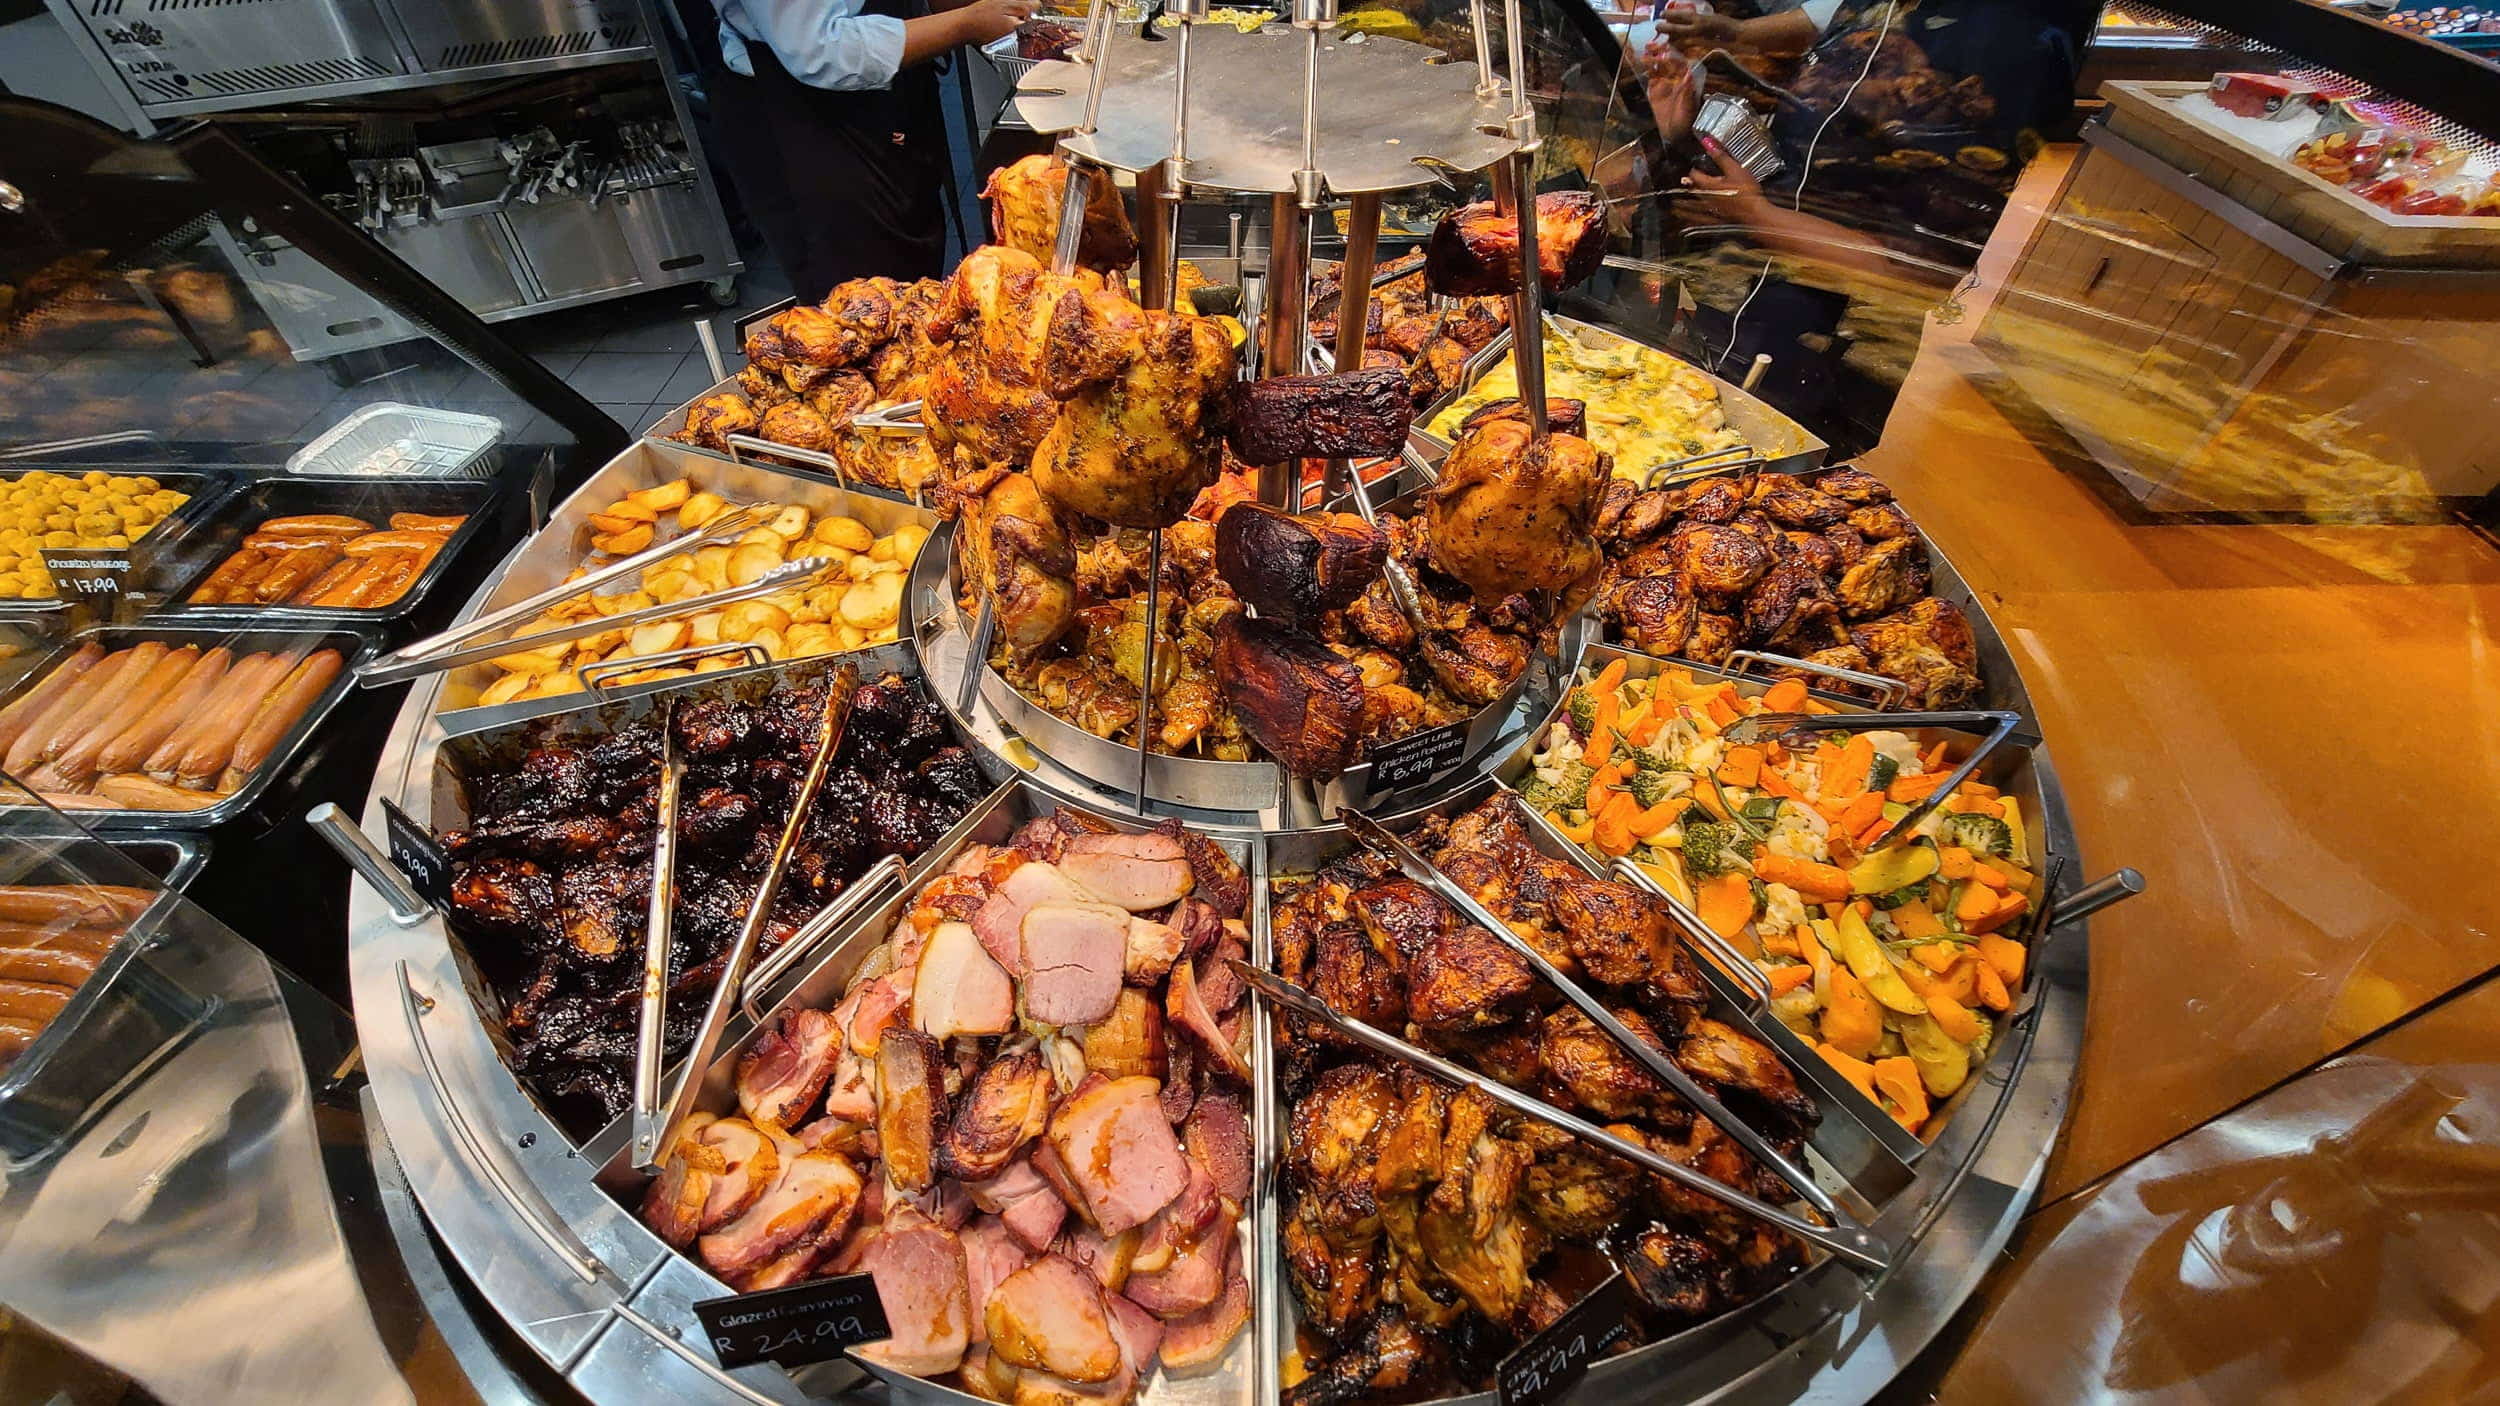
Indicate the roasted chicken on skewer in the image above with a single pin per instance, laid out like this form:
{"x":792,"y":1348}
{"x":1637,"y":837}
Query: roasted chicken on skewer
{"x":1513,"y":515}
{"x":1025,"y":198}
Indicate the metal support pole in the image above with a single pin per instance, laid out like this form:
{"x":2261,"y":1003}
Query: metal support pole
{"x":1283,"y":323}
{"x":1146,"y":689}
{"x":1515,"y":194}
{"x":1073,"y":197}
{"x":1354,"y":303}
{"x":1486,"y":84}
{"x":1155,"y":270}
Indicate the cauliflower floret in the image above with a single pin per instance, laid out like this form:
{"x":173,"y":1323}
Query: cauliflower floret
{"x":1798,"y":834}
{"x":1899,"y":747}
{"x":1783,"y":909}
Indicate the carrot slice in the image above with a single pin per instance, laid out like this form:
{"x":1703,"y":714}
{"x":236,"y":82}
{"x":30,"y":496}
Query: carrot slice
{"x":1847,"y":777}
{"x":1852,"y":1068}
{"x":1725,"y":903}
{"x":1897,"y":1078}
{"x":2006,"y":956}
{"x":1610,"y":678}
{"x":1741,"y":766}
{"x":1789,"y":978}
{"x":1784,"y":696}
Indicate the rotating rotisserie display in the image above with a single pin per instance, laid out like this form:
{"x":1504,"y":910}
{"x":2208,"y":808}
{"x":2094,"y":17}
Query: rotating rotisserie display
{"x":1025,"y":1117}
{"x":551,"y":873}
{"x":1826,"y":568}
{"x":1426,"y":1230}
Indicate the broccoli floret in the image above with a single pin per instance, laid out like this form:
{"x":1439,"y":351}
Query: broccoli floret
{"x":1714,"y":847}
{"x":1880,"y":775}
{"x":1583,"y":710}
{"x":1569,"y":791}
{"x":1649,"y":787}
{"x":1980,"y":834}
{"x":1648,"y":760}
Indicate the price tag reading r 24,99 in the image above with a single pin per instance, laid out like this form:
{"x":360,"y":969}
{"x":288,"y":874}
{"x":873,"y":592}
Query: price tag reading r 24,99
{"x":1546,"y":1367}
{"x":804,"y":1323}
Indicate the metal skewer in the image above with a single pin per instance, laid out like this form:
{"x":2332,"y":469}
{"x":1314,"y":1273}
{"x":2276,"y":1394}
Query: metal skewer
{"x":838,"y":695}
{"x":1851,"y":1245}
{"x":650,"y":1031}
{"x":1372,"y":834}
{"x":1146,"y":681}
{"x":1997,"y":724}
{"x":1514,"y":194}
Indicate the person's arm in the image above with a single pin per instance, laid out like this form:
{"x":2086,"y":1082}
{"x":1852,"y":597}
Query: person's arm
{"x":1788,"y":32}
{"x":960,"y":22}
{"x":829,"y":44}
{"x":1737,"y":199}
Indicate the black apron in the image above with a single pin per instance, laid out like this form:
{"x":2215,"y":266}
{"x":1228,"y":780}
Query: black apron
{"x":843,"y":184}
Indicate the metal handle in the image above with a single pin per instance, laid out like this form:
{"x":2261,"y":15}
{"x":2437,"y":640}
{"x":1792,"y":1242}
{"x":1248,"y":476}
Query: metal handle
{"x":1887,"y":691}
{"x":80,"y":444}
{"x":1848,"y":1243}
{"x":2098,"y":894}
{"x":595,"y":677}
{"x":829,"y":920}
{"x":1371,"y":833}
{"x":711,"y":349}
{"x":787,"y":576}
{"x":650,"y":1029}
{"x":408,"y":907}
{"x":1736,"y":964}
{"x":1733,"y":459}
{"x":770,"y":449}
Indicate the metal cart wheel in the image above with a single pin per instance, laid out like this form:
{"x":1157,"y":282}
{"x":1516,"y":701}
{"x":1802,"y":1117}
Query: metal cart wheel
{"x":723,"y":291}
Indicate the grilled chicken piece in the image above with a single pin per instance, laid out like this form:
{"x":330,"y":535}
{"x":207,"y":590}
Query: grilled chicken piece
{"x":1296,"y":697}
{"x":1006,"y":1107}
{"x":1678,"y":1274}
{"x":712,"y":420}
{"x":1594,"y":1070}
{"x":1511,"y":516}
{"x":1891,"y":576}
{"x":1928,"y":647}
{"x":1025,"y":199}
{"x":1355,"y":980}
{"x":1880,"y":521}
{"x":1741,"y":1069}
{"x":840,"y":396}
{"x":1470,"y":1227}
{"x":1335,"y":416}
{"x":1115,"y":1147}
{"x":1571,"y":1189}
{"x":1713,"y":639}
{"x":1294,"y":567}
{"x":1015,"y":553}
{"x":1139,"y":872}
{"x":1330,"y":1150}
{"x":782,"y":1074}
{"x":1790,"y":603}
{"x":1475,"y":663}
{"x":911,"y":1106}
{"x":813,"y":336}
{"x":1654,"y":613}
{"x":1474,"y":250}
{"x":1135,"y":441}
{"x":1790,"y":503}
{"x":1016,"y":337}
{"x":1620,"y":935}
{"x":1465,"y":979}
{"x":1718,"y":560}
{"x":923,"y":1280}
{"x":1854,"y":486}
{"x":1561,"y":416}
{"x":1389,"y":1354}
{"x":1335,"y":1279}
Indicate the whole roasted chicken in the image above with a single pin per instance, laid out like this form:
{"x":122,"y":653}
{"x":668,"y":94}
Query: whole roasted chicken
{"x":1014,"y":553}
{"x":1513,"y":516}
{"x":1025,"y":200}
{"x":1137,"y":445}
{"x":1016,"y":337}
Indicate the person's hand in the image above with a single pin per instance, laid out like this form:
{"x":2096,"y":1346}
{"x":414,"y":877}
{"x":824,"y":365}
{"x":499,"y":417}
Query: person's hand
{"x":1673,"y":86}
{"x":985,"y":20}
{"x":1695,"y":27}
{"x":1736,"y":195}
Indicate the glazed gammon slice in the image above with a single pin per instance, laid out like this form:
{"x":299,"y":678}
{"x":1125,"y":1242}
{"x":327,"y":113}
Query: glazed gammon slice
{"x":1117,"y":1151}
{"x":1192,"y":1280}
{"x":1187,"y":1009}
{"x":1151,"y":950}
{"x":783,"y":1072}
{"x":811,"y":1202}
{"x":1006,"y":1107}
{"x":1217,"y":1134}
{"x":1180,"y":1225}
{"x":960,"y":989}
{"x":1202,"y":1337}
{"x":911,"y":1106}
{"x":922,"y":1279}
{"x":1137,"y":872}
{"x":1050,"y":1315}
{"x":1000,"y":919}
{"x":750,"y":1162}
{"x":991,"y":1253}
{"x":1073,"y":958}
{"x":673,"y":1204}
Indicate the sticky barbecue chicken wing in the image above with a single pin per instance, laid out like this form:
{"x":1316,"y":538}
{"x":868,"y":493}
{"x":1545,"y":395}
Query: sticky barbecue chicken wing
{"x":1512,"y":516}
{"x":1136,"y":436}
{"x":1025,"y":198}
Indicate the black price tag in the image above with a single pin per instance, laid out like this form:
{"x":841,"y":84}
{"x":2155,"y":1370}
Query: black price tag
{"x":96,"y":575}
{"x":419,"y":855}
{"x":1549,"y":1365}
{"x":1417,"y":757}
{"x":795,"y":1326}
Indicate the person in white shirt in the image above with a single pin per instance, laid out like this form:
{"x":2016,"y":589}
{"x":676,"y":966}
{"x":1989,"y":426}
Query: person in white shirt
{"x":828,"y":115}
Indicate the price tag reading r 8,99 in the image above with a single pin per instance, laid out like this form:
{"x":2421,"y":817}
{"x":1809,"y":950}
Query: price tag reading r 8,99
{"x":1546,"y":1367}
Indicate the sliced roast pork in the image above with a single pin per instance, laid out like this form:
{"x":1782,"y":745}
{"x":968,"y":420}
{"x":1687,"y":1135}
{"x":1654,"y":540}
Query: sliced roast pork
{"x":781,"y":1074}
{"x":1217,"y":1133}
{"x":1152,"y":948}
{"x":1203,"y":1336}
{"x":673,"y":1205}
{"x":795,"y":1265}
{"x":1006,"y":1107}
{"x":1050,"y":1315}
{"x":867,"y":1227}
{"x":811,"y":1201}
{"x":1129,"y":1040}
{"x":922,"y":1279}
{"x":1188,"y":1010}
{"x":991,"y":1253}
{"x":1138,"y":872}
{"x":1180,"y":1225}
{"x":1000,"y":919}
{"x":911,"y":1106}
{"x":850,"y":1093}
{"x":1117,"y":1150}
{"x":987,"y":1377}
{"x":1072,"y":961}
{"x":1107,"y":1258}
{"x":881,"y":1004}
{"x":958,"y":989}
{"x":750,"y":1161}
{"x":1140,"y":1333}
{"x":1024,"y":1200}
{"x":1194,"y":1278}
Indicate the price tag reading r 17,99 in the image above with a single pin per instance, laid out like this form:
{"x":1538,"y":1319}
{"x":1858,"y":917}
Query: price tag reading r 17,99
{"x":1546,"y":1367}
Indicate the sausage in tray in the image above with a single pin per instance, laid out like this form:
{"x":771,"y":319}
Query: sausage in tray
{"x":330,"y":561}
{"x":53,"y":937}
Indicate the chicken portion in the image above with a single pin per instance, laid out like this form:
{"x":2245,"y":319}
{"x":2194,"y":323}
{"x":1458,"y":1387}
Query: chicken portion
{"x":712,"y":420}
{"x":1135,"y":448}
{"x":1014,"y":553}
{"x":1015,"y":337}
{"x":1514,"y":516}
{"x":1025,"y":199}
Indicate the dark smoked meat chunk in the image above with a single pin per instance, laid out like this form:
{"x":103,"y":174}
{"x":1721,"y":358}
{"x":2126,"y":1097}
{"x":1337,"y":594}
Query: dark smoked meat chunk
{"x":1334,"y":416}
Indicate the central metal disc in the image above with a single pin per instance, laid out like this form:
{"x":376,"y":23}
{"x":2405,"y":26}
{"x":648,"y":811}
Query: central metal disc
{"x":1390,"y":111}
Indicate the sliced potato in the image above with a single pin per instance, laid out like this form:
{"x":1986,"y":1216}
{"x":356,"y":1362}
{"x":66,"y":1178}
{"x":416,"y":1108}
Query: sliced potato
{"x":711,"y":567}
{"x":850,"y":636}
{"x":748,"y":562}
{"x":553,"y":686}
{"x":907,"y":539}
{"x":747,"y":619}
{"x":505,"y":689}
{"x":860,"y":568}
{"x":848,"y":533}
{"x":809,"y":612}
{"x":700,"y":509}
{"x":661,"y":497}
{"x":873,"y":604}
{"x":532,"y":662}
{"x":763,"y":537}
{"x":719,"y":663}
{"x":805,"y":640}
{"x":653,"y":675}
{"x":626,"y":543}
{"x":632,"y":511}
{"x":659,"y":637}
{"x":790,"y":524}
{"x":774,"y":645}
{"x":609,"y":524}
{"x":704,"y":628}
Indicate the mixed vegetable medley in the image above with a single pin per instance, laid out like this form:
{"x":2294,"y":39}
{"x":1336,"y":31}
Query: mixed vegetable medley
{"x":1886,"y":960}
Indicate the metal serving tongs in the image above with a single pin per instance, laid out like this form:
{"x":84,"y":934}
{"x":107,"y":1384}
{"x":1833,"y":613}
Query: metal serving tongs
{"x":1848,"y":1243}
{"x":1700,"y":934}
{"x":1375,"y":836}
{"x":840,"y":691}
{"x":453,"y":648}
{"x":1998,"y":725}
{"x":648,"y":1036}
{"x":1734,"y":458}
